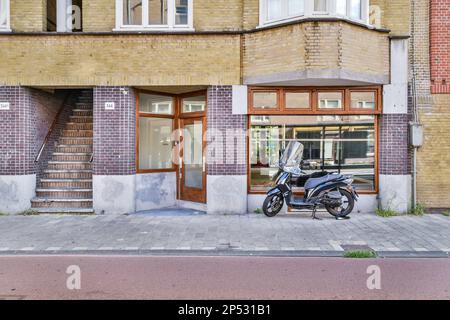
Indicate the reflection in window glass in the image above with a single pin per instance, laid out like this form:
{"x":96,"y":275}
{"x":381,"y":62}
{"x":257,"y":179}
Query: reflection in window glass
{"x":194,"y":104}
{"x":355,"y":9}
{"x":296,"y":7}
{"x":3,"y":14}
{"x":274,"y":10}
{"x":152,"y":103}
{"x":342,"y":144}
{"x":320,"y":5}
{"x":132,"y":12}
{"x":341,"y":7}
{"x":265,"y":100}
{"x":362,"y":100}
{"x":297,"y":100}
{"x":181,"y":12}
{"x":155,"y":146}
{"x":157,"y":12}
{"x":330,"y":100}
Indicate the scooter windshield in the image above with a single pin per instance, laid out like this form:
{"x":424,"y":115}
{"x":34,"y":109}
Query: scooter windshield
{"x":292,"y":155}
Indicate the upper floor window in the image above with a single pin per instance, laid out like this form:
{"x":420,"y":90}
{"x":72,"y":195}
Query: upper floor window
{"x":154,"y":14}
{"x":277,"y":11}
{"x":4,"y":15}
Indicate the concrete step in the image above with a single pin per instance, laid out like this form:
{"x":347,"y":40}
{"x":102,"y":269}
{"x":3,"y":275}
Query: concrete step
{"x":77,"y":133}
{"x":62,"y":156}
{"x":79,"y":126}
{"x":76,"y":140}
{"x":83,"y":105}
{"x":69,"y":165}
{"x":74,"y":148}
{"x":65,"y":184}
{"x":68,"y":174}
{"x":82,"y":112}
{"x":62,"y":193}
{"x":75,"y":211}
{"x":82,"y":119}
{"x":61,"y":203}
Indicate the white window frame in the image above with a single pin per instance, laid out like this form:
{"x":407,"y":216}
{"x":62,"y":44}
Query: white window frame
{"x":7,"y":27}
{"x":170,"y":26}
{"x":310,"y":13}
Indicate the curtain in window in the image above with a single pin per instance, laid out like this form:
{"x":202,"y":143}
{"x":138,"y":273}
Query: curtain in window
{"x":296,"y":7}
{"x":274,"y":9}
{"x":3,"y":13}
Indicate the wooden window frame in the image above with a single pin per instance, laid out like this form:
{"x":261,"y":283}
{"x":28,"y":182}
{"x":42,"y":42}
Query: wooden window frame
{"x":175,"y":116}
{"x":314,"y":92}
{"x":315,"y":111}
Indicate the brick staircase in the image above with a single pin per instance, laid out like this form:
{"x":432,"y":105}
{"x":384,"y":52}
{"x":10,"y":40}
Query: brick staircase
{"x":66,"y":183}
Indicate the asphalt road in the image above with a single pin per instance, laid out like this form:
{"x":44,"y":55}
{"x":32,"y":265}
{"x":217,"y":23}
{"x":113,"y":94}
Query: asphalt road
{"x":147,"y":277}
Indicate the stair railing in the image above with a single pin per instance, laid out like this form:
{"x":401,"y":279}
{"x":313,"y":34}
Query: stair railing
{"x":52,"y":127}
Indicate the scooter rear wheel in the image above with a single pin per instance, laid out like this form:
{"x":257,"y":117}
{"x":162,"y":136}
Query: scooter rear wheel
{"x":346,"y":208}
{"x":273,"y":205}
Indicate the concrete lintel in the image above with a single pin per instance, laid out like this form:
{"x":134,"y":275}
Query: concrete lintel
{"x":16,"y":193}
{"x":318,"y":77}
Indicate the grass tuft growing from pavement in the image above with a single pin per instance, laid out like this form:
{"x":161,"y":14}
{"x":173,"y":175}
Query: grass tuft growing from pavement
{"x":418,"y":210}
{"x":447,"y":214}
{"x":386,"y":213}
{"x":360,"y":254}
{"x":29,"y":212}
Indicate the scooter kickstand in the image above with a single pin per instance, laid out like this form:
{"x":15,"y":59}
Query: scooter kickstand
{"x":314,"y":215}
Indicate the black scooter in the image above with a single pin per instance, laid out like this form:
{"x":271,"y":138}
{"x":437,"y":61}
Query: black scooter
{"x":332,"y":191}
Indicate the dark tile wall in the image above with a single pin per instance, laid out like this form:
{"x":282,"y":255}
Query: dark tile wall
{"x":114,"y":131}
{"x":228,"y":131}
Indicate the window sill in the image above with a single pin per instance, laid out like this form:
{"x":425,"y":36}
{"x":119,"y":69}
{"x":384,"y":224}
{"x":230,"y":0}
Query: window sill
{"x":154,"y":29}
{"x":5,"y":30}
{"x":316,"y":17}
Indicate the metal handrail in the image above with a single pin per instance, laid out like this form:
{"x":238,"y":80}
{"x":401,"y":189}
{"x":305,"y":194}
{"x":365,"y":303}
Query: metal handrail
{"x":52,"y":127}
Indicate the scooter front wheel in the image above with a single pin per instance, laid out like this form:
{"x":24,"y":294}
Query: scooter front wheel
{"x":273,"y":205}
{"x":345,"y":208}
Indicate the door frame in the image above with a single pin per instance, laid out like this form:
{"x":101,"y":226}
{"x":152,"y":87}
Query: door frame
{"x":186,"y":193}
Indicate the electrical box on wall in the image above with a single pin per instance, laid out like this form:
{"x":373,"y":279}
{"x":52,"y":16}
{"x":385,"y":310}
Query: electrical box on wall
{"x":416,"y":134}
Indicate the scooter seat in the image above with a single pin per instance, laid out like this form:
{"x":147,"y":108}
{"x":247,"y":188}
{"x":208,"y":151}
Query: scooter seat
{"x":314,"y":182}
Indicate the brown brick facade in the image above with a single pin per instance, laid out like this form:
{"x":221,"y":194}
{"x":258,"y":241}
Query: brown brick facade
{"x":114,"y":131}
{"x":440,"y":46}
{"x":228,"y":131}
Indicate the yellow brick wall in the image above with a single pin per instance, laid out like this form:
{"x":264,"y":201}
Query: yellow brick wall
{"x":397,"y":16}
{"x":218,"y":15}
{"x":28,"y":15}
{"x":433,"y":174}
{"x":250,"y":16}
{"x":135,"y":60}
{"x":316,"y":45}
{"x":99,"y":15}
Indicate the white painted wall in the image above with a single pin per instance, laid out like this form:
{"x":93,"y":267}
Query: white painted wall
{"x":395,"y":192}
{"x":16,"y":193}
{"x":240,"y":99}
{"x":395,"y":95}
{"x":227,"y":194}
{"x":114,"y":194}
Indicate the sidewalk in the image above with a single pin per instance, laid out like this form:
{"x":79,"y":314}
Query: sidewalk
{"x":210,"y":234}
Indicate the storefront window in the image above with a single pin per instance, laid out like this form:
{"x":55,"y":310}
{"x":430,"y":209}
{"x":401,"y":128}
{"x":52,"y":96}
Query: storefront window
{"x":155,"y":144}
{"x":265,"y":100}
{"x":334,"y":143}
{"x":297,"y":100}
{"x":194,"y":104}
{"x":362,"y":100}
{"x":330,"y":100}
{"x":157,"y":104}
